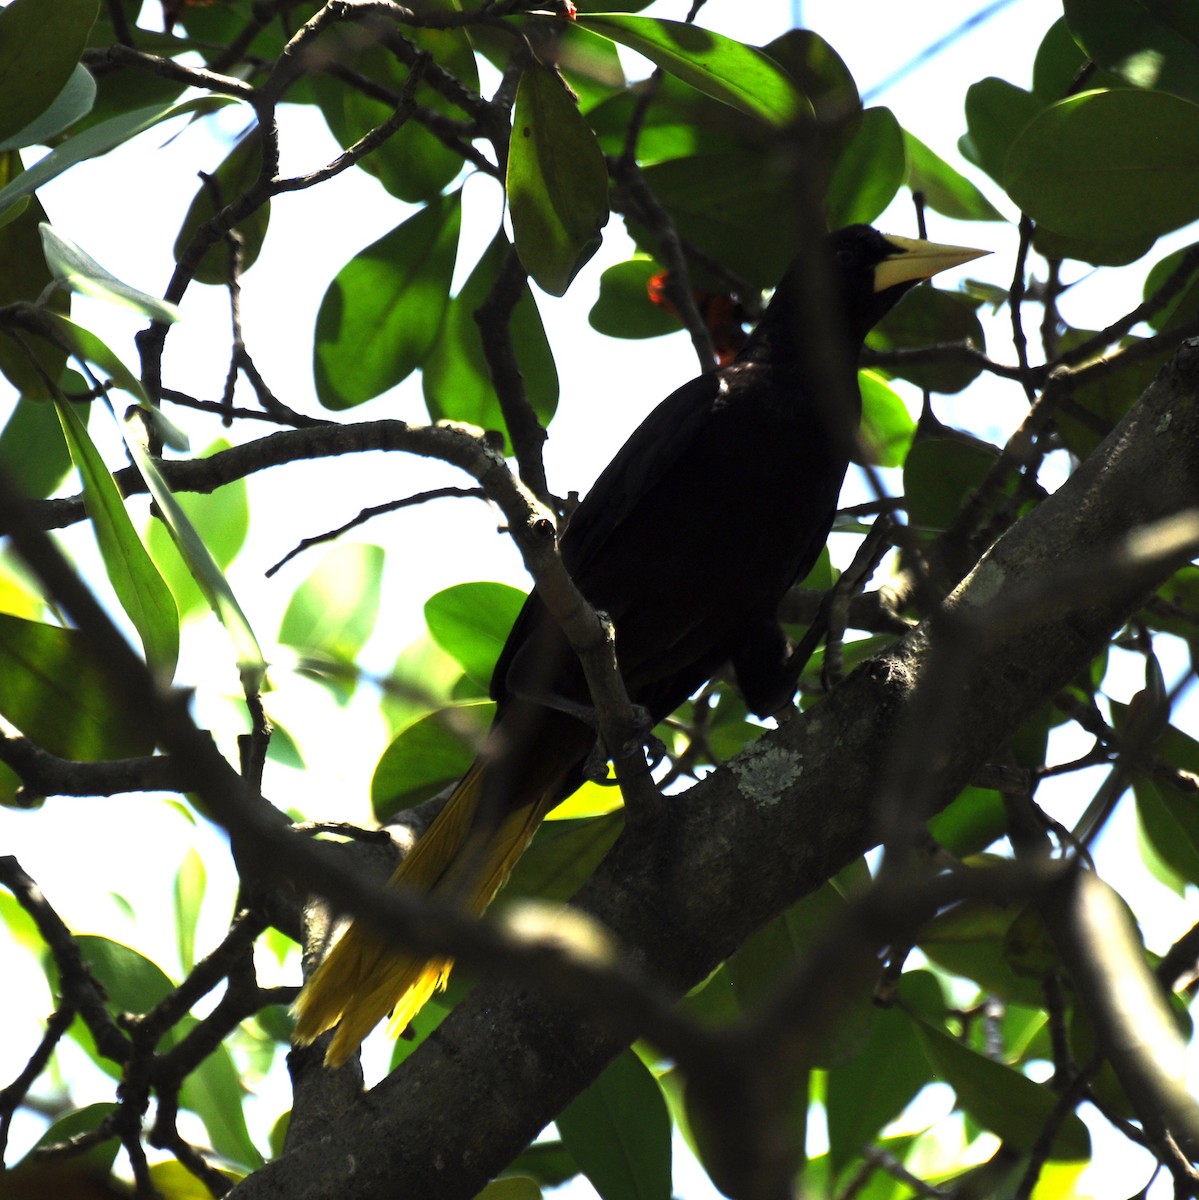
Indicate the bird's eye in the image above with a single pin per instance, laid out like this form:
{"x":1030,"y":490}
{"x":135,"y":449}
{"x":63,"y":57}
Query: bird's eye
{"x":845,"y":259}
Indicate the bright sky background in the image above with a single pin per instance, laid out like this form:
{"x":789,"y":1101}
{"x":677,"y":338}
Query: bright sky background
{"x":124,"y":209}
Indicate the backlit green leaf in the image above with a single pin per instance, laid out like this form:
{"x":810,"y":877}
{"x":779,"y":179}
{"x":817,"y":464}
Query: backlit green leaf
{"x":455,"y":377}
{"x":99,"y":139}
{"x":379,"y":316}
{"x":81,"y":273}
{"x":428,"y":755}
{"x":944,"y":189}
{"x":333,"y":611}
{"x":713,"y":64}
{"x":557,"y":182}
{"x":868,"y":172}
{"x":139,"y":587}
{"x":887,"y":426}
{"x":53,"y":690}
{"x":471,"y":621}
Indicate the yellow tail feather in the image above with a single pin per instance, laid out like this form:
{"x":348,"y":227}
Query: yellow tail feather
{"x":364,"y":978}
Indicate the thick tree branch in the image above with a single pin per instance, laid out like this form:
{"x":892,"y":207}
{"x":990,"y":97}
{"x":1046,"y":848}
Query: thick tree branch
{"x":768,"y":828}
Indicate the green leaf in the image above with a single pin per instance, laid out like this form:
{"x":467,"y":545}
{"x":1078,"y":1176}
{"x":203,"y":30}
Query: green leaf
{"x":623,"y":308}
{"x":618,"y":1131}
{"x":927,"y":316}
{"x":1001,"y":1099}
{"x":333,"y":611}
{"x":232,"y":179}
{"x":429,"y":754}
{"x":379,"y":316}
{"x":131,"y":981}
{"x":210,"y":578}
{"x":859,"y":1097}
{"x":413,"y":164}
{"x":970,"y":940}
{"x":214,"y":1092}
{"x":53,"y":690}
{"x":1116,"y":253}
{"x":996,"y":113}
{"x":1149,"y":45}
{"x":562,"y":857}
{"x":455,"y":375}
{"x":190,"y":882}
{"x":1084,"y":167}
{"x":887,"y":426}
{"x":547,"y":1162}
{"x":471,"y":622}
{"x":221,"y":518}
{"x":974,"y":820}
{"x":730,"y":209}
{"x":511,"y":1187}
{"x":557,"y":182}
{"x":139,"y":587}
{"x":38,"y":56}
{"x":767,"y":957}
{"x":99,"y":139}
{"x":86,"y":346}
{"x":719,"y":67}
{"x":1184,"y":306}
{"x":34,"y":364}
{"x":944,"y":189}
{"x":81,"y":273}
{"x":869,"y":171}
{"x":72,"y":103}
{"x":76,"y":1175}
{"x":32,"y":450}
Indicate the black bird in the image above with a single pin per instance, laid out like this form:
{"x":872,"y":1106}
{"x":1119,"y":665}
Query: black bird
{"x":721,"y":499}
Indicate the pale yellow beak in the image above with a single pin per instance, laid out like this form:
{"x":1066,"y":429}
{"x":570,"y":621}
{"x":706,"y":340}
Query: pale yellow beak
{"x":916,"y":260}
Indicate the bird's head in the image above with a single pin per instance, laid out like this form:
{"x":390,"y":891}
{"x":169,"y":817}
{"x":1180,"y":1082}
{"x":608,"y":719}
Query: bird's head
{"x":873,"y":270}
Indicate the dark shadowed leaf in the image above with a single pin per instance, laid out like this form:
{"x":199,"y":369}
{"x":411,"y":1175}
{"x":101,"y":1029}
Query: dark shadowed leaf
{"x":227,"y":183}
{"x":1085,"y":168}
{"x":27,"y":364}
{"x":562,"y":857}
{"x":929,"y":316}
{"x":1001,"y":1099}
{"x":38,"y":56}
{"x":859,"y":1098}
{"x":557,"y":182}
{"x":379,"y":316}
{"x":34,"y":456}
{"x":1147,"y":45}
{"x":70,"y":105}
{"x":938,"y":476}
{"x":996,"y":112}
{"x":618,"y":1131}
